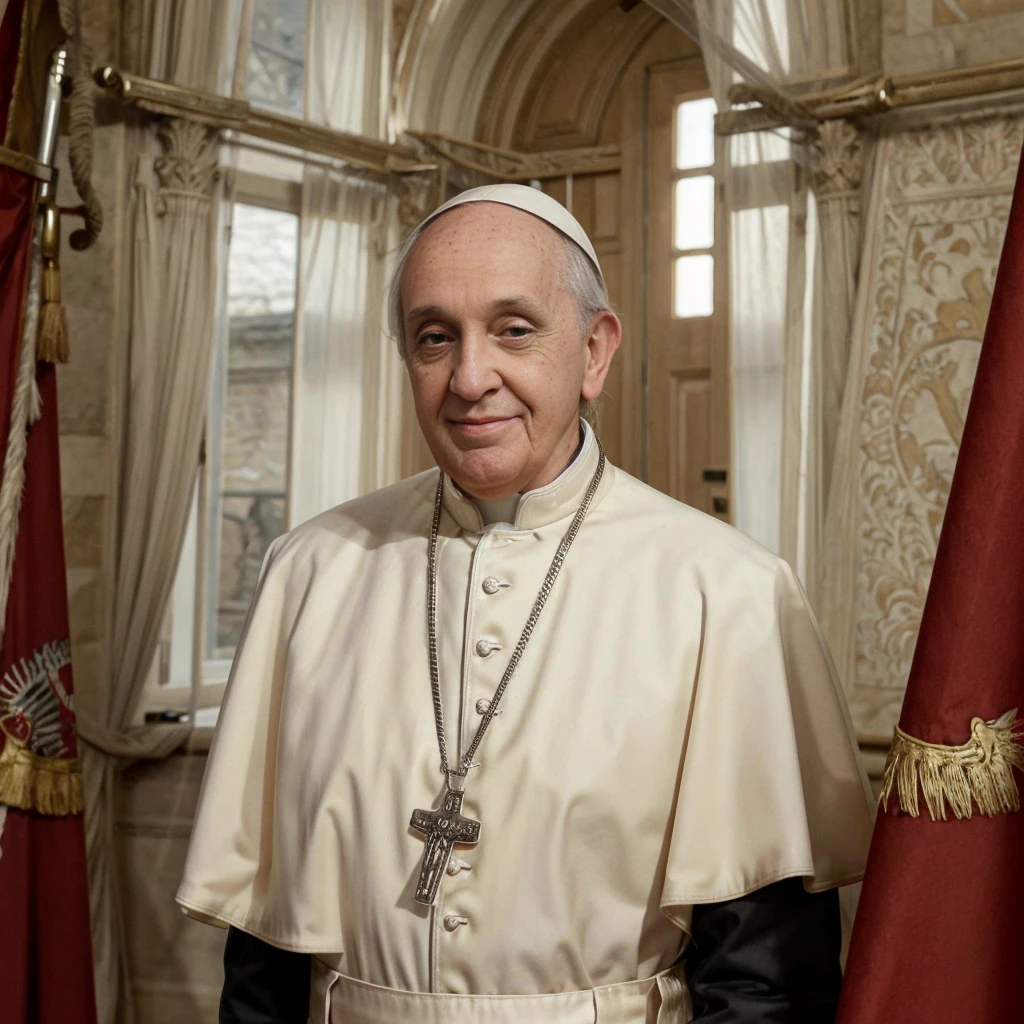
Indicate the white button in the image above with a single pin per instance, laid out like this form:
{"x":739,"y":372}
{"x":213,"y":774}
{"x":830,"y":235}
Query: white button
{"x":457,"y":864}
{"x":485,"y":647}
{"x":453,"y":921}
{"x":492,"y":585}
{"x":483,"y":704}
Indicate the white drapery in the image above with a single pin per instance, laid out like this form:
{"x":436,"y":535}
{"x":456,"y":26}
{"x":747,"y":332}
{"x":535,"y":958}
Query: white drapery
{"x":346,"y":411}
{"x":171,"y":246}
{"x":793,"y":207}
{"x":347,"y":401}
{"x":792,"y":200}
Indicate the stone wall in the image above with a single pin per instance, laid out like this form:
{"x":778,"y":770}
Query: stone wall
{"x":91,"y":290}
{"x":925,"y":35}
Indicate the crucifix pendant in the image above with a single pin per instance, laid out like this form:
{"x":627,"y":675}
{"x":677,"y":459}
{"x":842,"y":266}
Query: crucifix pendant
{"x":443,"y":828}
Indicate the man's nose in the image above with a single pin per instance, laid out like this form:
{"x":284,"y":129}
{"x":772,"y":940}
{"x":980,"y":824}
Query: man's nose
{"x":475,"y":372}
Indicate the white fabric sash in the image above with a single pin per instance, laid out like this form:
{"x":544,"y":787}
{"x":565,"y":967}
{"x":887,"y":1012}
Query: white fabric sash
{"x":338,"y":999}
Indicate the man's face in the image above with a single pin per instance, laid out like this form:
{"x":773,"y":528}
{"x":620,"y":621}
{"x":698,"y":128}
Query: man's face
{"x":494,"y":350}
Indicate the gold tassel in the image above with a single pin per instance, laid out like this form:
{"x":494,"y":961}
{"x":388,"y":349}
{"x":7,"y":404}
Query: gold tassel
{"x":52,"y":345}
{"x":47,"y":785}
{"x":978,"y":773}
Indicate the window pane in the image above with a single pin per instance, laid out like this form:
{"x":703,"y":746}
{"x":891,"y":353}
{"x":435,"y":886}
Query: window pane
{"x":695,"y":134}
{"x":694,"y":286}
{"x":251,"y":437}
{"x":695,"y":213}
{"x":277,"y":56}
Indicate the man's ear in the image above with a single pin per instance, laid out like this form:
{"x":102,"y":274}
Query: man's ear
{"x":602,"y":343}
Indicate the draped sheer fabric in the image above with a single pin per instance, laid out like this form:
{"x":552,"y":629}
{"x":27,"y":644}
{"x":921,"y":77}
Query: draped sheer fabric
{"x":794,"y":254}
{"x":173,"y":279}
{"x":172,"y":247}
{"x":793,"y":259}
{"x":347,"y":402}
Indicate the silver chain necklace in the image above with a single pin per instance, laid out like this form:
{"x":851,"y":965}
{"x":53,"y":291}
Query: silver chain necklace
{"x":446,"y":826}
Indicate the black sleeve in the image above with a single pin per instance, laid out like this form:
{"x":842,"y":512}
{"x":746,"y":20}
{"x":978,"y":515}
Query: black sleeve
{"x":768,"y":958}
{"x":263,"y":984}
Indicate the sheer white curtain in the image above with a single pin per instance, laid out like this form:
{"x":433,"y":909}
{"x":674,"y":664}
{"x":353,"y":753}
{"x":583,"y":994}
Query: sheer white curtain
{"x":793,"y":252}
{"x":793,"y":261}
{"x":347,"y":403}
{"x":766,"y":193}
{"x":172,"y":248}
{"x":188,"y":42}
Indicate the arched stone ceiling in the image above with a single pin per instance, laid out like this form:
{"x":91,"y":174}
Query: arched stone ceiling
{"x":551,"y":85}
{"x":476,"y":68}
{"x":445,"y":60}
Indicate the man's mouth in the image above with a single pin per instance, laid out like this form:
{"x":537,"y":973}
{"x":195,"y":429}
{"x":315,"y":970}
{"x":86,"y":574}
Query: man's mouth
{"x":480,"y":424}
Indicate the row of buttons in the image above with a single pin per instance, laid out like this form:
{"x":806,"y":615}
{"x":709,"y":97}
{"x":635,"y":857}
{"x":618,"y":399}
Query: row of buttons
{"x":486,"y":647}
{"x":490,"y":585}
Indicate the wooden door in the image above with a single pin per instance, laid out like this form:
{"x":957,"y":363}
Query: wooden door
{"x":687,"y":388}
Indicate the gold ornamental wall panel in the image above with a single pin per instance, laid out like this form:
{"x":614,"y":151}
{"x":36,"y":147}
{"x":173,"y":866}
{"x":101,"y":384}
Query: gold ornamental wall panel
{"x":945,"y":194}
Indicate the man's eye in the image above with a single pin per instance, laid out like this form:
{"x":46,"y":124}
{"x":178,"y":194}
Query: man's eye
{"x":517,"y":331}
{"x":433,"y":338}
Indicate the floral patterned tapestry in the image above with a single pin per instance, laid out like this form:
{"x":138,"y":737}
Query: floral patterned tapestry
{"x":945,"y":197}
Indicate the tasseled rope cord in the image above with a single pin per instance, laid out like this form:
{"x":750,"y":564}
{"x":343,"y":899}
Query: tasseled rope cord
{"x":80,"y":125}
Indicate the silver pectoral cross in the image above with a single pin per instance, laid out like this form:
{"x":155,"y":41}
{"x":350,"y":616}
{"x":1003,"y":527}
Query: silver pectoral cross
{"x":443,"y":828}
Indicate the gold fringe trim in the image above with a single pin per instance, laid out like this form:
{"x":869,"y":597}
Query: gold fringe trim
{"x":49,"y":785}
{"x":978,"y":773}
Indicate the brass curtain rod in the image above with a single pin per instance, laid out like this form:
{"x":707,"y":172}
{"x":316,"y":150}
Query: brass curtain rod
{"x":874,"y":96}
{"x":512,"y":165}
{"x":371,"y":154}
{"x":864,"y":98}
{"x":222,"y":112}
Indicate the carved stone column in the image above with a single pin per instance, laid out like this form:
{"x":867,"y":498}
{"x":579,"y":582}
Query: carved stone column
{"x":188,"y":167}
{"x":837,"y":172}
{"x":417,"y":196}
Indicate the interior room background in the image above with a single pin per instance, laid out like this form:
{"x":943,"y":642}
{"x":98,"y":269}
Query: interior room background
{"x":803,"y":283}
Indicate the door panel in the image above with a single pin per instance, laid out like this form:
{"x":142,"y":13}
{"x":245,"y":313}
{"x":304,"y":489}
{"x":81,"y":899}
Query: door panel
{"x":687,"y":359}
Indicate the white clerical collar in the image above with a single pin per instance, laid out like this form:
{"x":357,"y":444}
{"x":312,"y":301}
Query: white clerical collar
{"x":535,"y":508}
{"x":503,"y":510}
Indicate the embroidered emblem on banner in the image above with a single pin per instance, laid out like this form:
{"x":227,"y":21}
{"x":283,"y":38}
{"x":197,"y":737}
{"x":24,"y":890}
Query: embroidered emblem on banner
{"x":38,"y":767}
{"x":976,"y":774}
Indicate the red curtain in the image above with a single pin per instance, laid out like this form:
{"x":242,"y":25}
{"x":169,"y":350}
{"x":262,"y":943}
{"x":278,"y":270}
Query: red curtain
{"x":46,"y":970}
{"x":939,"y":935}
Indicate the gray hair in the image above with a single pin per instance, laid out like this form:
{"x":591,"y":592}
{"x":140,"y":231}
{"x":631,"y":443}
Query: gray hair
{"x":581,"y":278}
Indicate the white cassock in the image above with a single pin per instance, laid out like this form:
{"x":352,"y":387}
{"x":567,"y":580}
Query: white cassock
{"x":674,"y":735}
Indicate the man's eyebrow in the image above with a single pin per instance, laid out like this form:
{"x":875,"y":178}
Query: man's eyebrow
{"x":425,"y":311}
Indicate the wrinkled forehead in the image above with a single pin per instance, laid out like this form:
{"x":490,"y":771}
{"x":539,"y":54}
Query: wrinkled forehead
{"x":476,"y":237}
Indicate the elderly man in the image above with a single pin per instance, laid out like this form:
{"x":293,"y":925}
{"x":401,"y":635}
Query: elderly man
{"x":523,"y":740}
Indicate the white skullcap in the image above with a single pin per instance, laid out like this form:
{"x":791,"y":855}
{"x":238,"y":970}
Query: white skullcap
{"x":531,"y":200}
